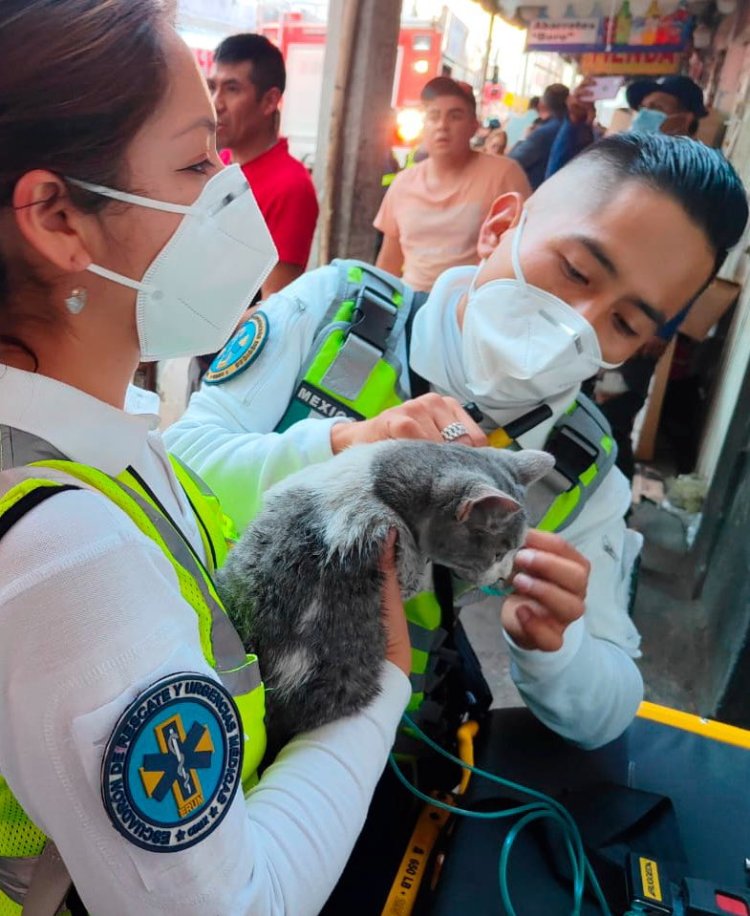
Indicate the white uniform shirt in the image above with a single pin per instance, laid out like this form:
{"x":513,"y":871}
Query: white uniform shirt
{"x":590,"y":689}
{"x":90,"y":615}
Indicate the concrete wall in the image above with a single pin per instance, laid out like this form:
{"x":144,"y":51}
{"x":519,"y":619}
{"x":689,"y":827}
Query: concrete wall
{"x":736,"y":356}
{"x":726,"y":591}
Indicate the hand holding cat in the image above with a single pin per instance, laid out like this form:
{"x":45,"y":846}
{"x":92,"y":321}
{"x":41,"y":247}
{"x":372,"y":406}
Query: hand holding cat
{"x":398,"y":649}
{"x":420,"y":418}
{"x":550,"y":582}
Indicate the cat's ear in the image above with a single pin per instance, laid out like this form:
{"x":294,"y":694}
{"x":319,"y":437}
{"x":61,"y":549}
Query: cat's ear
{"x":531,"y":464}
{"x":485,"y":503}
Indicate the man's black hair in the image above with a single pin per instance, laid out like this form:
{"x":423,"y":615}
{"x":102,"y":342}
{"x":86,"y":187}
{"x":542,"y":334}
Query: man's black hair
{"x":444,"y":85}
{"x":268,"y":70}
{"x":699,"y":178}
{"x":555,"y":97}
{"x":534,"y":102}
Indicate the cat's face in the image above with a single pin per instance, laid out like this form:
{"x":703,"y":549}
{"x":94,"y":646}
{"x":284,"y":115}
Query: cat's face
{"x":479,"y":549}
{"x":477,"y":530}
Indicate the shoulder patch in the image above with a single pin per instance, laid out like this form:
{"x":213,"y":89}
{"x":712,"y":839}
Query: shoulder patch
{"x":173,"y":763}
{"x":241,"y":351}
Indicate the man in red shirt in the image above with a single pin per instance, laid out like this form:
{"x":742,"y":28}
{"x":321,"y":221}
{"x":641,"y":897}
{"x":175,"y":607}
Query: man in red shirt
{"x":246,"y":83}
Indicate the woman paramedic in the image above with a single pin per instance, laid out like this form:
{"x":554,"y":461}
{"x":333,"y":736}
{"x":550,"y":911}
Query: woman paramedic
{"x":121,"y":749}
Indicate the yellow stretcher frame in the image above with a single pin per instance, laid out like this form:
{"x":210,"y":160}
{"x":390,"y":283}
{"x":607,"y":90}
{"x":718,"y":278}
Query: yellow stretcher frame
{"x":430,"y":823}
{"x":706,"y":728}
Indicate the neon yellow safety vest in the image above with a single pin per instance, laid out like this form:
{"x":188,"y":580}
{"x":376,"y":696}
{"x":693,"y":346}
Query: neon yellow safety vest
{"x":21,"y":842}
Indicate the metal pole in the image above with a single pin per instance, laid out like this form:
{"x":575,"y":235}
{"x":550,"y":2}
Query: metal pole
{"x":524,"y":77}
{"x":336,"y":131}
{"x":487,"y":53}
{"x":352,"y":141}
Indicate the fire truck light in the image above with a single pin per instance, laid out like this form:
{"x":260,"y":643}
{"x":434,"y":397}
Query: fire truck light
{"x":421,"y":66}
{"x":409,"y":124}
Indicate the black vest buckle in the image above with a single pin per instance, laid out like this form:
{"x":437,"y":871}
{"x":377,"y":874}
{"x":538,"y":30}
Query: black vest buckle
{"x":374,"y":317}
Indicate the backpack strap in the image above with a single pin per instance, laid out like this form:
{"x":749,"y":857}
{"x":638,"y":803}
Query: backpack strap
{"x":585,"y":452}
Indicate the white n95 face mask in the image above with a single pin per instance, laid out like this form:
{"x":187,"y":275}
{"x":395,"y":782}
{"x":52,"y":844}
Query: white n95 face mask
{"x":194,"y":291}
{"x":520,"y":343}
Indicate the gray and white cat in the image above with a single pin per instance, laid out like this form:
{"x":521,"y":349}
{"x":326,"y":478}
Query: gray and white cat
{"x":303,"y":584}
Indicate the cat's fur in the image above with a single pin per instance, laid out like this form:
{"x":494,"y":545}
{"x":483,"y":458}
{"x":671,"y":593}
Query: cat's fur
{"x":303,"y":584}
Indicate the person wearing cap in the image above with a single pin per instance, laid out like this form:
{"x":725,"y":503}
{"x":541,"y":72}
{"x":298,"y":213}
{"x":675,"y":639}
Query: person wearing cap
{"x":432,"y":213}
{"x":578,"y":130}
{"x":533,"y":153}
{"x":672,"y":105}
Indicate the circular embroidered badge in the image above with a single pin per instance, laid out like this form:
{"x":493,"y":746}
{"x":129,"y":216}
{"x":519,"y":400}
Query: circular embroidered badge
{"x":173,"y":763}
{"x":241,"y":351}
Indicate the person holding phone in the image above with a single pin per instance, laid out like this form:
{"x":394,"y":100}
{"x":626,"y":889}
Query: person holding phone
{"x":578,"y":130}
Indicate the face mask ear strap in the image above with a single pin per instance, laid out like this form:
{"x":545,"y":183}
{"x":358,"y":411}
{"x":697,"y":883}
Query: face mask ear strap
{"x":514,"y":257}
{"x":131,"y":198}
{"x":515,"y":250}
{"x":473,"y":284}
{"x":118,"y":278}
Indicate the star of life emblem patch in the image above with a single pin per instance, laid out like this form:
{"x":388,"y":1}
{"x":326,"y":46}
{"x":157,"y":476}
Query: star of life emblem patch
{"x":173,"y":763}
{"x":241,"y":351}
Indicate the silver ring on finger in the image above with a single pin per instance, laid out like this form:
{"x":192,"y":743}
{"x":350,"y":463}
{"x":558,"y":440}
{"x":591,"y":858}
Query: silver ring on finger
{"x":454,"y":431}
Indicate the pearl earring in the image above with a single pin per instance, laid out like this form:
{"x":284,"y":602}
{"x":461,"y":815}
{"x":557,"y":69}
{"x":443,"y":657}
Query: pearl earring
{"x":76,"y":301}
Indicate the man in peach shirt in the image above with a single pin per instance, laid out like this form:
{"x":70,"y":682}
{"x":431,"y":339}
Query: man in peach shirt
{"x":431,"y":215}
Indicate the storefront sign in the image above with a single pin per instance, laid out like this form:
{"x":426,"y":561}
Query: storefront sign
{"x":643,"y":63}
{"x":562,"y":34}
{"x":625,"y":32}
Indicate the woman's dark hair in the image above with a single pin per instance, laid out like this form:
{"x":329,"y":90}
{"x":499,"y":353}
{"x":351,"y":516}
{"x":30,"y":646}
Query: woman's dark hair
{"x":268,"y":70}
{"x":699,"y":178}
{"x":79,"y":78}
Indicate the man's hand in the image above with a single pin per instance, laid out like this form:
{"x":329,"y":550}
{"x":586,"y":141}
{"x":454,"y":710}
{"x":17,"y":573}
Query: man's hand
{"x":421,"y":418}
{"x":581,"y":108}
{"x":549,"y":592}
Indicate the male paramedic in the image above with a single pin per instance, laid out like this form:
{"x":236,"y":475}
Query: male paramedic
{"x":575,"y":279}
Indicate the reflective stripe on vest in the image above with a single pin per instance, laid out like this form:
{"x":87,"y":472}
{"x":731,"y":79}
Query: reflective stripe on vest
{"x":423,"y":617}
{"x":217,"y":530}
{"x":352,"y":369}
{"x":21,"y":842}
